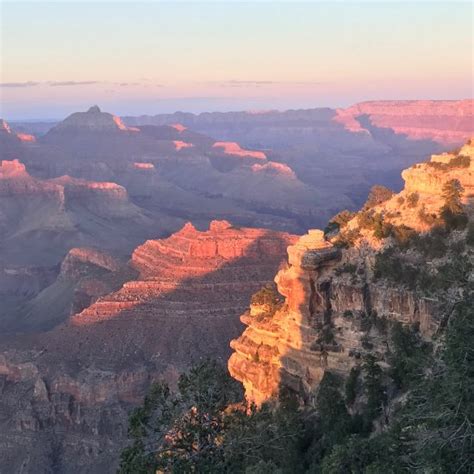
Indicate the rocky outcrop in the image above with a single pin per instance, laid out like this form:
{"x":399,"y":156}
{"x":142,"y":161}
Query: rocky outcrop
{"x":273,"y":168}
{"x":332,"y":310}
{"x":325,"y":322}
{"x":277,"y":347}
{"x":7,"y":133}
{"x":94,"y":120}
{"x":233,"y":148}
{"x":443,"y":121}
{"x":423,"y":190}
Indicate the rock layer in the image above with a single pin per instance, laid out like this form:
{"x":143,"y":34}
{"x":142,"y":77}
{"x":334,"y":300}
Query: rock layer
{"x":331,"y":316}
{"x":79,"y":381}
{"x":443,"y":121}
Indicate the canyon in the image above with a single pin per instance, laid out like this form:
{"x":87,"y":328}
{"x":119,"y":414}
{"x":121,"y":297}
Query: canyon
{"x":131,"y":247}
{"x":117,"y":328}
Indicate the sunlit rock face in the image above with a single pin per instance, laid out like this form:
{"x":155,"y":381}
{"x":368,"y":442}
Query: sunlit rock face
{"x":275,"y":169}
{"x":179,"y":145}
{"x":276,"y":349}
{"x":321,"y":323}
{"x":4,"y":127}
{"x":444,"y":121}
{"x":426,"y":181}
{"x":41,"y":219}
{"x":94,"y":120}
{"x":233,"y":148}
{"x":180,"y":303}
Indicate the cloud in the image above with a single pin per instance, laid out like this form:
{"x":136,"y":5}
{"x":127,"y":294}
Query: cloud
{"x":71,"y":83}
{"x":20,"y":84}
{"x":256,"y":83}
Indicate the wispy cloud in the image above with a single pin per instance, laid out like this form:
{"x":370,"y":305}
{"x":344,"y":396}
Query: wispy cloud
{"x":71,"y":83}
{"x":259,"y":83}
{"x":20,"y":84}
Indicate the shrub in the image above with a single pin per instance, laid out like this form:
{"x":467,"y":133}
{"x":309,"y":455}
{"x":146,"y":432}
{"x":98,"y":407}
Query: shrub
{"x":452,"y":212}
{"x":347,"y":238}
{"x":428,"y":219}
{"x":377,"y":195}
{"x":374,"y":388}
{"x":407,"y":355}
{"x":403,"y":235}
{"x":460,"y":161}
{"x":375,"y":222}
{"x":268,"y":295}
{"x":346,"y":268}
{"x":412,"y":199}
{"x":470,"y":235}
{"x":342,"y":218}
{"x":351,"y":385}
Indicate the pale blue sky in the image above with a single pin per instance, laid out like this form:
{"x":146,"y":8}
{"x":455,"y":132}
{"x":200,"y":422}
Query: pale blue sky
{"x":151,"y":57}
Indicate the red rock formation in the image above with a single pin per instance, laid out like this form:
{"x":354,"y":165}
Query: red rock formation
{"x":25,"y":137}
{"x":274,"y":168}
{"x":179,"y":145}
{"x":446,"y":122}
{"x":190,"y":263}
{"x":233,"y":148}
{"x":4,"y":127}
{"x":143,"y":166}
{"x":177,"y":126}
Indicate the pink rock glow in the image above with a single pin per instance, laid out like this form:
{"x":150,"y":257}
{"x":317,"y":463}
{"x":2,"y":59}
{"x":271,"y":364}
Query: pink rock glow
{"x":25,"y":137}
{"x":144,"y":166}
{"x":443,"y":121}
{"x":122,"y":126}
{"x":179,"y":127}
{"x":274,"y":168}
{"x":232,"y":148}
{"x":178,"y":144}
{"x":11,"y":168}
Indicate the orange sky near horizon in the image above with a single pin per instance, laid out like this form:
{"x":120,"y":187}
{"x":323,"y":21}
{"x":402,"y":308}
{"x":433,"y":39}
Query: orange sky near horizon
{"x":152,"y":57}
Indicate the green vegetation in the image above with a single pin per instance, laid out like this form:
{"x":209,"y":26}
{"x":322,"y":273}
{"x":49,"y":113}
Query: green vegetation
{"x":346,"y":268}
{"x":402,"y":268}
{"x":407,"y":356}
{"x":377,"y":195}
{"x":339,"y":221}
{"x":452,"y":212}
{"x":412,"y":199}
{"x":428,"y":219}
{"x":268,"y":296}
{"x":347,"y":238}
{"x":460,"y":161}
{"x":375,"y":222}
{"x":470,"y":235}
{"x":348,"y":429}
{"x":351,"y":385}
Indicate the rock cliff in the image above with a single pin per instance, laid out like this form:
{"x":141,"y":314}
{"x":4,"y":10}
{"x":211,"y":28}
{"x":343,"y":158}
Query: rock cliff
{"x":94,"y":120}
{"x":331,"y":307}
{"x":443,"y":121}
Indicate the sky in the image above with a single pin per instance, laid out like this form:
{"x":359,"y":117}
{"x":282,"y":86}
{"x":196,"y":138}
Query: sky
{"x":152,"y":57}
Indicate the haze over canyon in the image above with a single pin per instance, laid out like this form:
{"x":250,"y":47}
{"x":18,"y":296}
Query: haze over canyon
{"x":130,"y":247}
